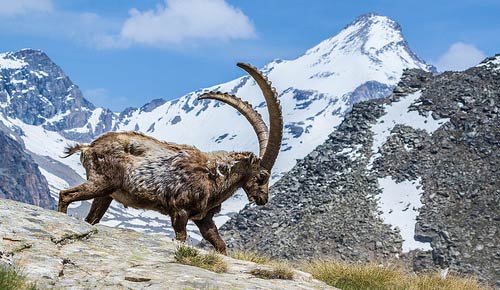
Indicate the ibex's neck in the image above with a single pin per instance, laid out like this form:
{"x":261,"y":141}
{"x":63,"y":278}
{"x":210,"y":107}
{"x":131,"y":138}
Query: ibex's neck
{"x":229,"y":171}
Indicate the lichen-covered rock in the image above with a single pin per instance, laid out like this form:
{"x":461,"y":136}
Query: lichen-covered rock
{"x":61,"y":252}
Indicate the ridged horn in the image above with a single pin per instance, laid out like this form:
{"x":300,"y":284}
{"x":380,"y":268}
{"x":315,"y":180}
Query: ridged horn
{"x":275,"y":116}
{"x":246,"y":110}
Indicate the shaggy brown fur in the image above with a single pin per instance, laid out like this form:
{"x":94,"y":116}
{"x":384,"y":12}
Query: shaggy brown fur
{"x":177,"y":180}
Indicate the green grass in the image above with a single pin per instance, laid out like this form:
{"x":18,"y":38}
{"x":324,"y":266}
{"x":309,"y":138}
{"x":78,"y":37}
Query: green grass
{"x":11,"y":279}
{"x":190,"y":256}
{"x":431,"y":281}
{"x":346,"y":276}
{"x":375,"y":277}
{"x":279,"y":271}
{"x":250,"y":257}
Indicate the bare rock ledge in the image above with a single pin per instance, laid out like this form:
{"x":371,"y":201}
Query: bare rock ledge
{"x":58,"y":251}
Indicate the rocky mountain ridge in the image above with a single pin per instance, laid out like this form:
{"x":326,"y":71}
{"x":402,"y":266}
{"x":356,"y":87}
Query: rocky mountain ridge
{"x":415,"y":173}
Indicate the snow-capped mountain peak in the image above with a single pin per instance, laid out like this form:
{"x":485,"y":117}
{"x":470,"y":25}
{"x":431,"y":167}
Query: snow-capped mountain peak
{"x":9,"y":60}
{"x":491,"y":62}
{"x":371,"y":47}
{"x":36,"y":91}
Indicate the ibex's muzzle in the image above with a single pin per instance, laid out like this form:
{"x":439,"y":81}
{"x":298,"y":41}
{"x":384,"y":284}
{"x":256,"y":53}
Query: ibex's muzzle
{"x":261,"y":200}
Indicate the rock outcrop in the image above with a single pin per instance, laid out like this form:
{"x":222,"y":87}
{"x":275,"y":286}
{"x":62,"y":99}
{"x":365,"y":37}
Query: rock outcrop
{"x":416,"y":170}
{"x":60,"y":252}
{"x":20,"y":178}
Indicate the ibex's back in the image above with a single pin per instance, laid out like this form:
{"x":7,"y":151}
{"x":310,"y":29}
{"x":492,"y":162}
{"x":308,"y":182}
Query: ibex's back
{"x":179,"y":180}
{"x":145,"y":173}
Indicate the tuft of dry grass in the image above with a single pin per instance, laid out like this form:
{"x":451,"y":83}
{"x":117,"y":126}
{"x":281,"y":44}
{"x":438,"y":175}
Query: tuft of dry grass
{"x":354,"y":276}
{"x":190,"y":256}
{"x":250,"y":257}
{"x":431,"y":281}
{"x":279,"y":271}
{"x":11,"y":279}
{"x":371,"y":276}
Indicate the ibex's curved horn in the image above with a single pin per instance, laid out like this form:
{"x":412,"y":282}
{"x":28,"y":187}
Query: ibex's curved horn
{"x":275,"y":116}
{"x":246,"y":110}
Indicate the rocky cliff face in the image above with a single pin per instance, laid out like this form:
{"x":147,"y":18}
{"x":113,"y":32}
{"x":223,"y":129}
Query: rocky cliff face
{"x":60,"y":252}
{"x":416,"y":172}
{"x":20,"y":178}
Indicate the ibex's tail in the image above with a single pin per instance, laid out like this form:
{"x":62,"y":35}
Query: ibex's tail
{"x":72,"y":149}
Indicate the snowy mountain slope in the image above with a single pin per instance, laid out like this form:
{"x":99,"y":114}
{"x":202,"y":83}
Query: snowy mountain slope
{"x":365,"y":60}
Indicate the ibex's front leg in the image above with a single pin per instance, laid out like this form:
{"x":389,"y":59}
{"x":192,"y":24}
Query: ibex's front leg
{"x":179,"y":223}
{"x":209,"y":231}
{"x":84,"y":191}
{"x":99,"y":207}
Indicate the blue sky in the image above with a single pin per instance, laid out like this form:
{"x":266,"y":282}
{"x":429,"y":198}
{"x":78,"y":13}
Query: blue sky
{"x":125,"y":53}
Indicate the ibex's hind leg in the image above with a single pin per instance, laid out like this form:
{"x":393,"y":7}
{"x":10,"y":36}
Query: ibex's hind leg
{"x":84,"y":191}
{"x":99,"y":207}
{"x":179,"y":223}
{"x":210,"y":233}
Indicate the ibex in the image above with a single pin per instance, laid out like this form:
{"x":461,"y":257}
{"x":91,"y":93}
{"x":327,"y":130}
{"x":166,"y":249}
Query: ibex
{"x":179,"y":180}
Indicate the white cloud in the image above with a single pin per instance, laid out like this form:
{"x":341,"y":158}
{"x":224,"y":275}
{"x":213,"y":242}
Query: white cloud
{"x":459,"y":56}
{"x":19,"y":7}
{"x":179,"y":21}
{"x":172,"y":23}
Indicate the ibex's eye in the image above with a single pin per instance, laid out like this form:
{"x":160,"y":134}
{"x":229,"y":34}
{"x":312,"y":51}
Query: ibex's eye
{"x":262,"y":178}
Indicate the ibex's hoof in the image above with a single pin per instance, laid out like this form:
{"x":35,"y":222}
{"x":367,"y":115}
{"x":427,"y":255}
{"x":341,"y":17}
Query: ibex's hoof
{"x":63,"y":209}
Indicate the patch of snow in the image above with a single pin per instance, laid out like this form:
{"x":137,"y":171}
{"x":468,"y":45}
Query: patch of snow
{"x":397,"y":113}
{"x":15,"y":82}
{"x":45,"y":143}
{"x":39,"y":74}
{"x":495,"y":61}
{"x":352,"y":152}
{"x":399,"y":203}
{"x":57,"y":117}
{"x":94,"y":118}
{"x":8,"y":61}
{"x":55,"y":183}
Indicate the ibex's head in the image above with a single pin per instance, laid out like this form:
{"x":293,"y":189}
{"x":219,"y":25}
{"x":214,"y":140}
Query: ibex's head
{"x":256,"y":185}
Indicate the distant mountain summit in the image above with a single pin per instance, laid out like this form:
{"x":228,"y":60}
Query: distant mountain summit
{"x":36,"y":91}
{"x":364,"y":60}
